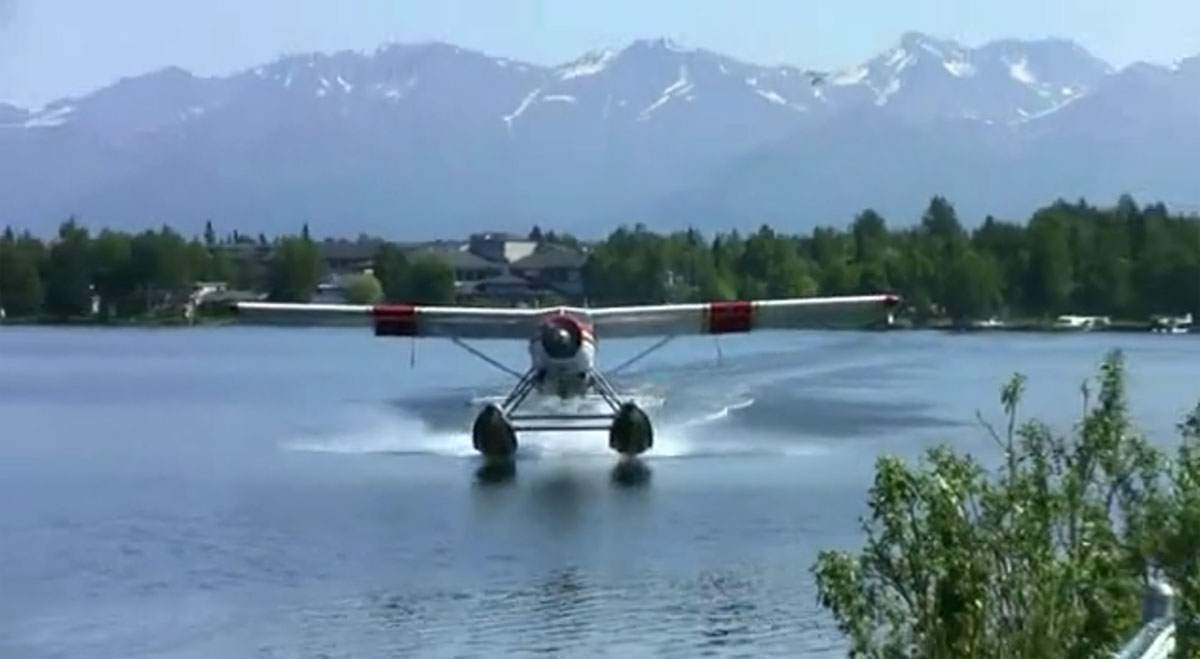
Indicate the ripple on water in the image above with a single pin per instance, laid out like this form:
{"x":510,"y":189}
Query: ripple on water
{"x":717,"y":613}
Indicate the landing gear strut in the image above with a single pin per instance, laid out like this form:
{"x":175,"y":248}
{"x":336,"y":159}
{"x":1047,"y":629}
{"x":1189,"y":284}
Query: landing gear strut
{"x":493,"y":434}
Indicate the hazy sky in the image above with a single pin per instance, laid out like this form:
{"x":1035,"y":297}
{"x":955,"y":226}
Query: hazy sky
{"x":53,"y":48}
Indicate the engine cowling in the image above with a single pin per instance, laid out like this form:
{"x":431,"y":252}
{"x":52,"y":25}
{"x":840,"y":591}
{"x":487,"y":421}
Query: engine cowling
{"x":561,"y":338}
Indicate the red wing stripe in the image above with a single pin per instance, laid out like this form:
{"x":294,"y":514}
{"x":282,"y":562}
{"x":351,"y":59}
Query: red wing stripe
{"x":395,"y":320}
{"x":730,"y":317}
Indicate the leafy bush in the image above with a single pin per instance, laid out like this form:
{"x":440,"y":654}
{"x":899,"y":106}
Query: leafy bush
{"x":1045,"y":557}
{"x":363,"y":288}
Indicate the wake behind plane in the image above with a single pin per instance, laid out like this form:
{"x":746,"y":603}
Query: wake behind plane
{"x":562,"y":350}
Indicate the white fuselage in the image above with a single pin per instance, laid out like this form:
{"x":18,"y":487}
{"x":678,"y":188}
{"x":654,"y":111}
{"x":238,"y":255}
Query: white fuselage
{"x":564,"y":377}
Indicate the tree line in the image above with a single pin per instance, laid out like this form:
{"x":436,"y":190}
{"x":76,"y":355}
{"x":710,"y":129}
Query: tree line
{"x":1126,"y":261}
{"x":115,"y":274}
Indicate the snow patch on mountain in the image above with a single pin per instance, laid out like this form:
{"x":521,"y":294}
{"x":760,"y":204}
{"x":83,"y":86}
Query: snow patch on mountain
{"x":893,"y":86}
{"x":589,"y":65}
{"x":51,"y":118}
{"x":959,"y":68}
{"x":1019,"y":70}
{"x":680,"y":87}
{"x":525,"y":103}
{"x":899,"y":60}
{"x":854,"y":76}
{"x":771,"y":96}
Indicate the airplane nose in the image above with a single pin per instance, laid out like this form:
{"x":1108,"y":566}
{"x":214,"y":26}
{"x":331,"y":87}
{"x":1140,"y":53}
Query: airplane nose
{"x":559,"y":342}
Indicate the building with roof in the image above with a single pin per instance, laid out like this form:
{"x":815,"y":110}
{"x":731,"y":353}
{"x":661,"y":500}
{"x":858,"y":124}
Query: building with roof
{"x":501,"y":247}
{"x":553,"y":267}
{"x":468,"y":266}
{"x":506,"y":285}
{"x":344,"y":256}
{"x":490,"y":264}
{"x":510,"y":266}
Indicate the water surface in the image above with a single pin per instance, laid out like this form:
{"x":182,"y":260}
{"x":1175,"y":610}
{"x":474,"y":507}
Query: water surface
{"x":257,"y":492}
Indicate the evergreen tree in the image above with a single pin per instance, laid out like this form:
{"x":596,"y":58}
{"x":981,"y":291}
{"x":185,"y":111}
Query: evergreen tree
{"x":432,"y":281}
{"x":68,"y":291}
{"x":20,"y":282}
{"x":394,"y":273}
{"x":294,"y":271}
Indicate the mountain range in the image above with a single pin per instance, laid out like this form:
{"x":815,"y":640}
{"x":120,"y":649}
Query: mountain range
{"x":431,"y":140}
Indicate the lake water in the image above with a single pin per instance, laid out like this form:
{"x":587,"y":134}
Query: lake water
{"x":254,"y":492}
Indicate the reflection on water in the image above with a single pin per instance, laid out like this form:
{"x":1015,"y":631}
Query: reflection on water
{"x":501,"y":472}
{"x":558,"y":500}
{"x":632,"y":472}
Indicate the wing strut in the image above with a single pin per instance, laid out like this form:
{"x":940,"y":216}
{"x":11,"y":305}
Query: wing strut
{"x":606,"y":391}
{"x":479,"y":353}
{"x":642,"y":355}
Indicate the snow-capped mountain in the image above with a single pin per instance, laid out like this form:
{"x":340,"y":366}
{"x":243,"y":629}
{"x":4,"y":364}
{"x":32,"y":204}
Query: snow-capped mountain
{"x":1004,"y":81}
{"x":426,"y":140}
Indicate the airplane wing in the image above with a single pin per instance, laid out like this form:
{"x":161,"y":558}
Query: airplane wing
{"x":402,"y":319}
{"x":607,"y":322}
{"x":742,"y":316}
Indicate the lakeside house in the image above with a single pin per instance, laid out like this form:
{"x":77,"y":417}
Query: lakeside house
{"x":492,"y":265}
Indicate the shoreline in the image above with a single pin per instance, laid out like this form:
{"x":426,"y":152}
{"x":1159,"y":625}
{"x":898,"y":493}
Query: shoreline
{"x":933,"y":325}
{"x":120,"y":323}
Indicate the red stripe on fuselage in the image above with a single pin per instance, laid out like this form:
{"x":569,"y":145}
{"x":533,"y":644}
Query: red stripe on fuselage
{"x":395,"y":319}
{"x":730,"y":317}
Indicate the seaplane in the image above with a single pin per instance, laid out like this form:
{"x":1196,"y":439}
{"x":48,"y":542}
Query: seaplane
{"x":562,"y":350}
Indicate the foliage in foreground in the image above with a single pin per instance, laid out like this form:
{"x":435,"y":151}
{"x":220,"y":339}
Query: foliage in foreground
{"x":1046,"y":557}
